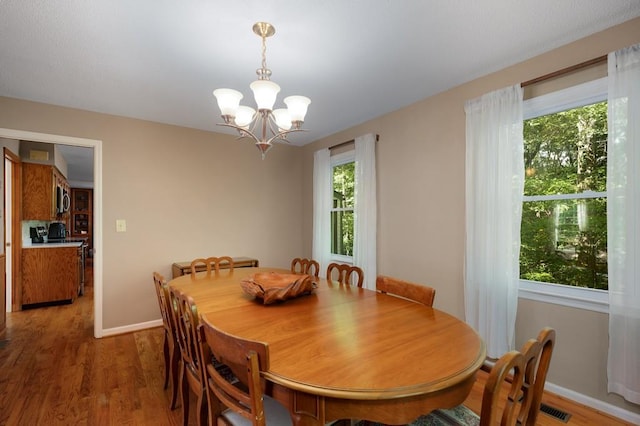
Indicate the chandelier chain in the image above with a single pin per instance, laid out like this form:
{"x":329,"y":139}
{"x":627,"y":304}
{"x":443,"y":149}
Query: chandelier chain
{"x":264,"y":57}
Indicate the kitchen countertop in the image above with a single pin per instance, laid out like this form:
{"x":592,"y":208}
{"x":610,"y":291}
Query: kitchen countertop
{"x":30,"y":245}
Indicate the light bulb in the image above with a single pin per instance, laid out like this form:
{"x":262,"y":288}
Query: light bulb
{"x":282,"y":117}
{"x":228,"y":101}
{"x":244,"y":116}
{"x":265,"y":92}
{"x":297,"y":106}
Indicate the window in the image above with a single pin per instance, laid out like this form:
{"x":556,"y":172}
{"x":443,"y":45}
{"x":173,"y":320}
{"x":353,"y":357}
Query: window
{"x":564,"y":217}
{"x":342,"y":207}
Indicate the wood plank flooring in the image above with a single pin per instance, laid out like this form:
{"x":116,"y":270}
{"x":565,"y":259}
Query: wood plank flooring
{"x":53,"y":372}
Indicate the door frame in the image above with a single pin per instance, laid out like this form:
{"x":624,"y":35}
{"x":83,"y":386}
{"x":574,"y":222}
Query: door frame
{"x":97,"y":206}
{"x":16,"y":228}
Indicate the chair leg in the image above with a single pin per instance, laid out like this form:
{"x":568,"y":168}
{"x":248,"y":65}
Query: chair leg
{"x":175,"y":371}
{"x":184,"y":395}
{"x":167,"y":361}
{"x":214,"y":407}
{"x":202,"y":410}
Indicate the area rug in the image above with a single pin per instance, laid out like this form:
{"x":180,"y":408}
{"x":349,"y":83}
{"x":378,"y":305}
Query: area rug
{"x":455,"y":416}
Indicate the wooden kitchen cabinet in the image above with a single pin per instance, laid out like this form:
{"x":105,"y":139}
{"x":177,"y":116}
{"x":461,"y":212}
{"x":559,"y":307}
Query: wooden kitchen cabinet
{"x":50,"y":274}
{"x":39,"y":182}
{"x":82,"y":215}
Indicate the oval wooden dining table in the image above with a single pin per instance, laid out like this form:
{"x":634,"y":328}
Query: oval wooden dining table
{"x":345,"y":352}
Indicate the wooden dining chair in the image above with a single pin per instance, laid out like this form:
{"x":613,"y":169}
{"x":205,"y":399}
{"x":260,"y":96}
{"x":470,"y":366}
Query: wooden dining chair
{"x":507,"y":375}
{"x":211,"y":263}
{"x":538,"y":376}
{"x":405,"y":289}
{"x":536,"y":357}
{"x":489,"y":413}
{"x":190,"y":376}
{"x":305,"y":266}
{"x":345,"y":273}
{"x":171,"y":350}
{"x":229,"y":403}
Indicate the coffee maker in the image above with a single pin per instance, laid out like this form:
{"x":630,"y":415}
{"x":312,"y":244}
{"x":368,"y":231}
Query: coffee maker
{"x":57,"y":231}
{"x":37,"y":234}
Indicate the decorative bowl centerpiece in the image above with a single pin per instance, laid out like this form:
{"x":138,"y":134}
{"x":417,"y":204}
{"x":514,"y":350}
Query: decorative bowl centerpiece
{"x":274,"y":287}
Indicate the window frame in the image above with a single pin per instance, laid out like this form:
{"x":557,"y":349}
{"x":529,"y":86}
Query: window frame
{"x":338,"y":160}
{"x":560,"y":294}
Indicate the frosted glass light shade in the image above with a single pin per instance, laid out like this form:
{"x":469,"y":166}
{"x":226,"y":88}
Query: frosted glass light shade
{"x":244,"y":116}
{"x":297,"y":106}
{"x":228,"y":101}
{"x":283,"y":119}
{"x":265,"y":92}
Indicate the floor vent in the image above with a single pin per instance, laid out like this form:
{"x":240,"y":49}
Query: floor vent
{"x":555,"y":413}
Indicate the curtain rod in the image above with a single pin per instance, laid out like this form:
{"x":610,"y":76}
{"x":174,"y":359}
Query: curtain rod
{"x":348,"y":142}
{"x":567,"y":70}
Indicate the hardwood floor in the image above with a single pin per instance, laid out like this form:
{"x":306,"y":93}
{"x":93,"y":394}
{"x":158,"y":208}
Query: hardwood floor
{"x":53,"y":372}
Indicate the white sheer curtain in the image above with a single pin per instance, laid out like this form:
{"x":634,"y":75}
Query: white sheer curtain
{"x":623,"y":223}
{"x":364,"y":238}
{"x":494,"y":188}
{"x":322,"y":198}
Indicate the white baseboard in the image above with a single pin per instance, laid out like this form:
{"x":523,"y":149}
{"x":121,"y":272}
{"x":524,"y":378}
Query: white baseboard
{"x":131,"y":328}
{"x":594,"y":403}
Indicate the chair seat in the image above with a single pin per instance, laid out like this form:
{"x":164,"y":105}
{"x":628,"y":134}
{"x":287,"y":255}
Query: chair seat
{"x":460,"y":415}
{"x":275,"y":414}
{"x":456,"y":416}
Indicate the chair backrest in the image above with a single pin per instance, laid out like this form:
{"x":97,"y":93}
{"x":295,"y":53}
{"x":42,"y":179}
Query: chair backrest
{"x":416,"y":292}
{"x":538,"y":374}
{"x":491,"y":396}
{"x":245,"y":358}
{"x":305,"y":266}
{"x":211,"y":262}
{"x":531,"y":353}
{"x":186,"y":333}
{"x":162,"y":292}
{"x":345,"y":273}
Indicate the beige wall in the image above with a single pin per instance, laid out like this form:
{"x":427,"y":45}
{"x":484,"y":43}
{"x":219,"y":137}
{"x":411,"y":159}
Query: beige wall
{"x":420,"y":165}
{"x":184,"y":194}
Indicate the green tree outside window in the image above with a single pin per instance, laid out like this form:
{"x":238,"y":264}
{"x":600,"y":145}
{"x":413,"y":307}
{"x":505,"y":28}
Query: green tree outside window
{"x":342,"y":211}
{"x":564,"y":217}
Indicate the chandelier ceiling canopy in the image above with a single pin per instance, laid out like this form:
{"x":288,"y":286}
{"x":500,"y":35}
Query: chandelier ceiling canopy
{"x":265,"y":125}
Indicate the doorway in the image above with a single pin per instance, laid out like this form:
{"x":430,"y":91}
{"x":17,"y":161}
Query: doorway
{"x":12,"y":190}
{"x":97,"y":207}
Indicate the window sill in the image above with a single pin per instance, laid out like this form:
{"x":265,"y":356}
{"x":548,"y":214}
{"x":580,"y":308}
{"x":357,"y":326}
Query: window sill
{"x":339,"y":258}
{"x":575,"y":297}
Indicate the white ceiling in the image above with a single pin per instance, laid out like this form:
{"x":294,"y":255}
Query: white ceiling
{"x":160,"y":60}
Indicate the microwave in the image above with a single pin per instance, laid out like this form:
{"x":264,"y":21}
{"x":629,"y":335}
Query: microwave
{"x":63,"y":201}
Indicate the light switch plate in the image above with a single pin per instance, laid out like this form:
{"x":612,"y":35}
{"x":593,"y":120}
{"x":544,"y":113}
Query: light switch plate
{"x":121,"y":225}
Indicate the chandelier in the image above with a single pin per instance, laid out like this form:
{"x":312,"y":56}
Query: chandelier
{"x":267,"y":124}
